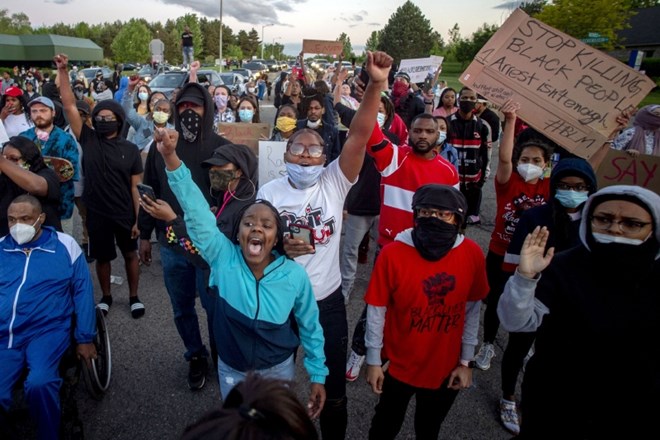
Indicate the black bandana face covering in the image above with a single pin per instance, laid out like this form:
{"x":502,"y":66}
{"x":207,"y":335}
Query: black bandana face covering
{"x":433,"y":238}
{"x":191,"y":125}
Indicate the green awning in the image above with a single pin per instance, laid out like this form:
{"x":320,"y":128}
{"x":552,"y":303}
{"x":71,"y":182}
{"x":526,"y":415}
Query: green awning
{"x":44,"y":47}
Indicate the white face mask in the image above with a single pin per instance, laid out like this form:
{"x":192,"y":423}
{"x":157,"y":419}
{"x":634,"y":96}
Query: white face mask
{"x":381,"y":119}
{"x":23,"y":233}
{"x":607,"y":239}
{"x":303,"y":177}
{"x":442,"y":135}
{"x":313,"y":124}
{"x":529,"y":171}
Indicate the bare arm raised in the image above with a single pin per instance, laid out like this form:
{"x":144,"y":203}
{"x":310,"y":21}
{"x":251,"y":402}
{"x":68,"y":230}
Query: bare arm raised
{"x":352,"y":155}
{"x":68,"y":100}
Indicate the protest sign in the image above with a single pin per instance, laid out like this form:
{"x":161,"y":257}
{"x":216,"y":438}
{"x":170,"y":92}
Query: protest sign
{"x":567,"y":90}
{"x":271,"y":161}
{"x":620,"y":168}
{"x":419,"y":68}
{"x":323,"y":47}
{"x":245,"y":133}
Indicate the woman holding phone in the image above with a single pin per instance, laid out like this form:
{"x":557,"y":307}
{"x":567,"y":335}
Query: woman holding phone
{"x":260,"y":290}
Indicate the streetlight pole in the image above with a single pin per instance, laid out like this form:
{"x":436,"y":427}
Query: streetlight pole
{"x":262,"y":38}
{"x":220,"y":51}
{"x":273,"y":46}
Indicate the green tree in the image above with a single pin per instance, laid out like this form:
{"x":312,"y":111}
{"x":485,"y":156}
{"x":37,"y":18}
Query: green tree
{"x":14,"y":24}
{"x":467,"y":49}
{"x":438,"y":44}
{"x":578,"y":18}
{"x":347,"y":53}
{"x":406,"y":34}
{"x":233,"y":52}
{"x":372,"y":41}
{"x":132,"y":42}
{"x":192,"y":22}
{"x":533,"y":7}
{"x":635,"y":4}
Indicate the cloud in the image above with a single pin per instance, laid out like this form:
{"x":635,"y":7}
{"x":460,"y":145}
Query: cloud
{"x":354,"y":17}
{"x":509,"y":5}
{"x":59,"y":2}
{"x":246,"y":11}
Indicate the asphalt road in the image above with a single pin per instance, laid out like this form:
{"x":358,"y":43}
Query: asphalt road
{"x":149,"y":398}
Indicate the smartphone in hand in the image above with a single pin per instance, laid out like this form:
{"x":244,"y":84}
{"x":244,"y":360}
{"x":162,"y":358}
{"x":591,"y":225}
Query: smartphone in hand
{"x":146,"y":190}
{"x":302,"y":232}
{"x":428,"y":85}
{"x":364,"y":75}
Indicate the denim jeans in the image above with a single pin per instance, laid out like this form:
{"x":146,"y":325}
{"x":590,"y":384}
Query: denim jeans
{"x":183,"y":281}
{"x":187,"y":55}
{"x":332,"y":316}
{"x":230,"y":377}
{"x":355,"y":226}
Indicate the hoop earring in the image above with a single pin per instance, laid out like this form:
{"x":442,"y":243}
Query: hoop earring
{"x":254,"y":192}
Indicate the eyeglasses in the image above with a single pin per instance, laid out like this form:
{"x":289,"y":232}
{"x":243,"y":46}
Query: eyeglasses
{"x":297,"y":149}
{"x":567,"y":187}
{"x":626,"y":226}
{"x":105,"y":119}
{"x":445,"y":216}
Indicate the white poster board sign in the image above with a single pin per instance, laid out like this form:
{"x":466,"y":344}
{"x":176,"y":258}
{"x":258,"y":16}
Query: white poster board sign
{"x":419,"y":68}
{"x":271,"y":161}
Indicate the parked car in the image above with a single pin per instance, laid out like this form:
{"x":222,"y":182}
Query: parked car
{"x":247,"y":73}
{"x":345,"y":65}
{"x":273,"y":65}
{"x":235,"y":81}
{"x":90,"y":73}
{"x":147,"y":72}
{"x":256,"y":68}
{"x":166,"y":82}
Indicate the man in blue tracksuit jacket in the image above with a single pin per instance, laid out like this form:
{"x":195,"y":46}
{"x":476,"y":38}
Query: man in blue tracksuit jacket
{"x":44,"y":281}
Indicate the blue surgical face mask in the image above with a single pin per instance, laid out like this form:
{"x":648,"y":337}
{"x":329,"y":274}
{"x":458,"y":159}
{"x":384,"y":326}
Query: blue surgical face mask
{"x":143,"y":96}
{"x":571,"y":199}
{"x":303,"y":177}
{"x":442,"y":135}
{"x":381,"y":119}
{"x":246,"y":115}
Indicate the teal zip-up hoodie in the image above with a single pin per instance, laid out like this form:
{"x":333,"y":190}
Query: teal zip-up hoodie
{"x":252,"y":323}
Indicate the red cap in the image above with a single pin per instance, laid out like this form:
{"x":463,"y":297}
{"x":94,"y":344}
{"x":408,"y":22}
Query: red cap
{"x":14,"y":91}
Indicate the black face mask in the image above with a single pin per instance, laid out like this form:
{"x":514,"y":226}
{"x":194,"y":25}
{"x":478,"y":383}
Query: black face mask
{"x":191,"y":125}
{"x":105,"y":128}
{"x":433,"y":238}
{"x":466,"y":107}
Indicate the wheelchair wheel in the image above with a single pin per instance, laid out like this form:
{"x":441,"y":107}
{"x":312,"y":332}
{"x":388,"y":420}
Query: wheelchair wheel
{"x":97,"y":377}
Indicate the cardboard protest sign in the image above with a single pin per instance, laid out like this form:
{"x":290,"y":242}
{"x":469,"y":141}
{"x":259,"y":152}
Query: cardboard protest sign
{"x":567,"y":90}
{"x":271,"y":161}
{"x":245,"y":133}
{"x":419,"y":68}
{"x":620,"y":168}
{"x":323,"y":46}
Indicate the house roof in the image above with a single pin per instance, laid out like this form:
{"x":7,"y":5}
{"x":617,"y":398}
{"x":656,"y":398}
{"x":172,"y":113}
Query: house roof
{"x":643,"y":30}
{"x":44,"y":47}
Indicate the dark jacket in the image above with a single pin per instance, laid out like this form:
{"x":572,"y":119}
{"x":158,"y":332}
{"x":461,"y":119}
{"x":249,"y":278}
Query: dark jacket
{"x":190,"y":153}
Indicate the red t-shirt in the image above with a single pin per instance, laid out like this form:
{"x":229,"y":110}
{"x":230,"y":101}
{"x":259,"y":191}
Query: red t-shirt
{"x":513,"y":198}
{"x":403,"y":172}
{"x":425,"y":303}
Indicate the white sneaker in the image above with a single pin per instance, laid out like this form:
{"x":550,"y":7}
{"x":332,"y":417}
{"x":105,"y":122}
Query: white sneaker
{"x":353,"y":366}
{"x":483,"y":358}
{"x":509,"y":416}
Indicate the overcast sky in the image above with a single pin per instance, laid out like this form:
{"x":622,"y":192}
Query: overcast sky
{"x":292,"y":20}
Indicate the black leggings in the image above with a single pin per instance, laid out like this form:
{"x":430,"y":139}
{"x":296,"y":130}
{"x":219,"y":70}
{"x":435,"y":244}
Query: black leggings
{"x":512,"y":361}
{"x":497,"y":278}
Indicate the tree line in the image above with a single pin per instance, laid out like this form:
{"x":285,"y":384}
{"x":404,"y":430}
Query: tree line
{"x":407,"y":34}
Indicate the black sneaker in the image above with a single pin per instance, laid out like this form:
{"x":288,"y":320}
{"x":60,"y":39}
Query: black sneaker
{"x":197,"y":370}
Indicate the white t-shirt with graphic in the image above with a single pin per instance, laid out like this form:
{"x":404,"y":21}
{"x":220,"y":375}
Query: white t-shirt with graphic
{"x":17,"y":124}
{"x":321,"y":207}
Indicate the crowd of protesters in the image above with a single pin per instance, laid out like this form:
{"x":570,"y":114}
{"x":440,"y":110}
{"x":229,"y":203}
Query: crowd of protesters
{"x":383,"y":163}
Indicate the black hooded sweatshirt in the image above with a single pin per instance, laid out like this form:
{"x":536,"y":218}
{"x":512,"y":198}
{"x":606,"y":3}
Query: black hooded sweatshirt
{"x":190,"y":153}
{"x":108,"y":166}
